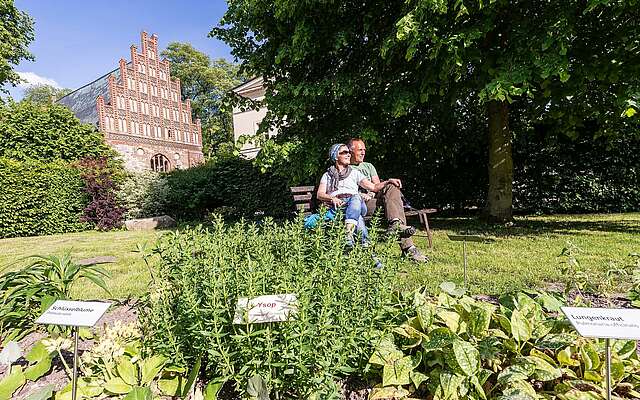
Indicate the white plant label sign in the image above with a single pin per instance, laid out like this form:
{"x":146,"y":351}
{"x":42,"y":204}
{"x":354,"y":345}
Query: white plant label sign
{"x":73,"y":313}
{"x":270,"y":308}
{"x":612,"y":323}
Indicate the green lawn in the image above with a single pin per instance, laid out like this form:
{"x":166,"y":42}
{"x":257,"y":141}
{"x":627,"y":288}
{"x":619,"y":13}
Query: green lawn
{"x":523,"y":256}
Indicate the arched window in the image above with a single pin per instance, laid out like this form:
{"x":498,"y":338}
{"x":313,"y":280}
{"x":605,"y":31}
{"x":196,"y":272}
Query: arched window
{"x":160,"y":163}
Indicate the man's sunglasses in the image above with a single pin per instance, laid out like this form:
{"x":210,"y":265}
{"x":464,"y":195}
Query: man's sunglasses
{"x":343,"y":152}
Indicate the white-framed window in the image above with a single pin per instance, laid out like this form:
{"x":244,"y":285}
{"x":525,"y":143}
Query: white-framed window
{"x":175,"y":115}
{"x":156,"y":110}
{"x":144,"y":87}
{"x":120,"y":102}
{"x":131,"y":83}
{"x":163,"y":76}
{"x":151,"y":54}
{"x":160,"y":163}
{"x":109,"y":123}
{"x":152,"y":72}
{"x":133,"y":105}
{"x":154,"y":90}
{"x":195,"y":138}
{"x":122,"y":125}
{"x":142,"y":68}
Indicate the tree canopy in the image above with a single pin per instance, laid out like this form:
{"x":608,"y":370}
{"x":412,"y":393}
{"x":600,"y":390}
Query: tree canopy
{"x":360,"y":68}
{"x":30,"y":131}
{"x":16,"y":32}
{"x":207,"y":84}
{"x":44,"y":94}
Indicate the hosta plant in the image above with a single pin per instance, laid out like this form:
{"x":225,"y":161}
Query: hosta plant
{"x":115,"y":366}
{"x":38,"y":363}
{"x":455,"y":347}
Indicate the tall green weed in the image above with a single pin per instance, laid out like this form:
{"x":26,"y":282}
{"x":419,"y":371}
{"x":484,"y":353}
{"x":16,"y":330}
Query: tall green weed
{"x":201,"y":273}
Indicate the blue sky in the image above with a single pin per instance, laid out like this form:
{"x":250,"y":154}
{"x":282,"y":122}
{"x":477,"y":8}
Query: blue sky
{"x":77,"y":41}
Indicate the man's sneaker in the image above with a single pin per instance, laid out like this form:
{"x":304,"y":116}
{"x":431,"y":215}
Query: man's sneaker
{"x":401,"y":230}
{"x":415,"y":255}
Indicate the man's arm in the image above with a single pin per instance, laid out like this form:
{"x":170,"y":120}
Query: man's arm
{"x":376,"y":187}
{"x":376,"y":179}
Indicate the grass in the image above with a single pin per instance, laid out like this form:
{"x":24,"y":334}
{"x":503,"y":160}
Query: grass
{"x":524,"y":255}
{"x":129,"y":275}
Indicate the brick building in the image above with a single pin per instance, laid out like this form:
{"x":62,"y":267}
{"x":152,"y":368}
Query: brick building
{"x":138,"y":108}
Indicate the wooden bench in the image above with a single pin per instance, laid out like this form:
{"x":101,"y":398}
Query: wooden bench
{"x":303,"y":200}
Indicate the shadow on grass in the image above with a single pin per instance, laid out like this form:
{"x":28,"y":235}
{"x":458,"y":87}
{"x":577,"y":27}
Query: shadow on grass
{"x":526,"y":227}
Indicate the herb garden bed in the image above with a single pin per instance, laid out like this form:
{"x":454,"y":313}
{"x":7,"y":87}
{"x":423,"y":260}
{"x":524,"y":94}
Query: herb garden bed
{"x":354,"y":336}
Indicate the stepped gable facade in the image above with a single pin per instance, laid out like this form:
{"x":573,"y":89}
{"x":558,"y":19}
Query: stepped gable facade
{"x":138,"y":108}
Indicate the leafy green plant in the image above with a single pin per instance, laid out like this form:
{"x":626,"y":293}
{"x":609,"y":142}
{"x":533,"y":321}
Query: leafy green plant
{"x":342,"y":301}
{"x":575,"y":276}
{"x":30,"y":290}
{"x":38,"y":364}
{"x":143,"y":194}
{"x":455,"y":347}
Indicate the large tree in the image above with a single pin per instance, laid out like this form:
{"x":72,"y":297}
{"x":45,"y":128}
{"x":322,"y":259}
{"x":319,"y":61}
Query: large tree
{"x":331,"y":68}
{"x":207,"y":84}
{"x":44,"y":94}
{"x":16,"y":32}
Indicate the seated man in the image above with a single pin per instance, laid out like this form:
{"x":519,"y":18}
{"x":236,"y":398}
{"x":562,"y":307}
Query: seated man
{"x":389,"y":197}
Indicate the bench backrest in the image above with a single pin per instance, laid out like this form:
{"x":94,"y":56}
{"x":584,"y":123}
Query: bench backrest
{"x":303,"y":198}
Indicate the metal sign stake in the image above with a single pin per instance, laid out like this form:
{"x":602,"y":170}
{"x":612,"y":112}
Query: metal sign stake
{"x":464,"y":255}
{"x":608,"y":355}
{"x":74,"y":314}
{"x":464,"y":239}
{"x":607,"y":324}
{"x":74,"y":382}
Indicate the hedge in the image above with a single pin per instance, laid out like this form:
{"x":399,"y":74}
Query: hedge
{"x":234,"y":184}
{"x":40,"y":198}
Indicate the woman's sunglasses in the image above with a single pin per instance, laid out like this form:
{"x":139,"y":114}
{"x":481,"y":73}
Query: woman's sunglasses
{"x":343,"y":152}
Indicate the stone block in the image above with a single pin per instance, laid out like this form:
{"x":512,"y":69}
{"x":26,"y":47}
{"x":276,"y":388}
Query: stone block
{"x":144,"y":224}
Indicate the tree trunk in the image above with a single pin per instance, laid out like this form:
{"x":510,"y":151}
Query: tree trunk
{"x":499,"y":206}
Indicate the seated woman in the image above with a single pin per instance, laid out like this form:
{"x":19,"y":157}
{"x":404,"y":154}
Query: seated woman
{"x":339,"y":188}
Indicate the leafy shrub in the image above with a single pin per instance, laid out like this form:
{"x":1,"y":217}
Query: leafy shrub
{"x":25,"y":293}
{"x":143,"y":194}
{"x":188,"y":313}
{"x":457,"y":347}
{"x":558,"y":174}
{"x":39,"y":362}
{"x":47,"y":133}
{"x":39,"y":198}
{"x":231,"y":182}
{"x":103,"y":209}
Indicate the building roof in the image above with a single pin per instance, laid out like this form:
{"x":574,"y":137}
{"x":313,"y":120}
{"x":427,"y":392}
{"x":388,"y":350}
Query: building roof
{"x":82,"y":101}
{"x":252,"y":84}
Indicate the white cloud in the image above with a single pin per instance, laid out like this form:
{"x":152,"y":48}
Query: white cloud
{"x":31,"y":78}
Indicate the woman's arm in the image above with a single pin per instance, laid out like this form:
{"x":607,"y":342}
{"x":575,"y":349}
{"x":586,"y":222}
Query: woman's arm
{"x":322,"y":195}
